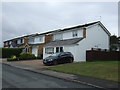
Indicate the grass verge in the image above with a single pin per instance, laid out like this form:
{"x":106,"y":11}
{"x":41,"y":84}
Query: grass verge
{"x":107,"y":70}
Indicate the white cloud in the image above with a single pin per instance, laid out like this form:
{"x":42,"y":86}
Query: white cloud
{"x":26,"y":18}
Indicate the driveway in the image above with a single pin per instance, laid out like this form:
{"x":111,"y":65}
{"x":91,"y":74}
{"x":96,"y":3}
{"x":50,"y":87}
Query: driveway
{"x":27,"y":63}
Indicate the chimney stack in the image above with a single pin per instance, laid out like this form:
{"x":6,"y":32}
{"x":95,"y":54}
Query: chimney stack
{"x":84,"y":32}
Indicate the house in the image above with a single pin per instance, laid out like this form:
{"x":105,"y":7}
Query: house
{"x":14,"y":43}
{"x":78,"y":39}
{"x":30,"y":43}
{"x":36,"y":43}
{"x":75,"y":39}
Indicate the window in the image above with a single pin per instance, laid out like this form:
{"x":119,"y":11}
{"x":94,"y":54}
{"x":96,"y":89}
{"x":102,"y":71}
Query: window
{"x":21,"y":40}
{"x":40,"y":39}
{"x":10,"y":42}
{"x":74,"y":33}
{"x":49,"y":50}
{"x":59,"y":49}
{"x":58,"y":37}
{"x":16,"y":41}
{"x":6,"y":43}
{"x":26,"y":50}
{"x":31,"y":39}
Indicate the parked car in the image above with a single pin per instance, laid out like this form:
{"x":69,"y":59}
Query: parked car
{"x":59,"y":58}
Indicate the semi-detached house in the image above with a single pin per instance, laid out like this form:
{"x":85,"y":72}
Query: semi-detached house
{"x":76,"y":40}
{"x":30,"y":43}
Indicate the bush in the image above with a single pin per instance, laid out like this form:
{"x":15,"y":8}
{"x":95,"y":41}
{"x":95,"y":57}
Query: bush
{"x":113,"y":47}
{"x":8,"y":52}
{"x":26,"y":56}
{"x":11,"y":59}
{"x":39,"y":57}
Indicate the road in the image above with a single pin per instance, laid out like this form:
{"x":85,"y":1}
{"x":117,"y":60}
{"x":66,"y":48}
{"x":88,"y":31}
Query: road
{"x":17,"y":78}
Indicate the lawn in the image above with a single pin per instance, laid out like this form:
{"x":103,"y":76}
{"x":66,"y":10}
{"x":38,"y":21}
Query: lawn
{"x":107,"y":70}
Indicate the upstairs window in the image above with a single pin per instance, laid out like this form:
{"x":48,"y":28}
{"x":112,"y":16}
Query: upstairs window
{"x":31,"y":40}
{"x":10,"y":42}
{"x":40,"y":39}
{"x":74,"y":33}
{"x":21,"y":40}
{"x":6,"y":43}
{"x":58,"y":37}
{"x":16,"y":41}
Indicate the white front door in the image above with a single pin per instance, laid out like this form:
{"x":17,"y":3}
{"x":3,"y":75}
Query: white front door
{"x":35,"y":50}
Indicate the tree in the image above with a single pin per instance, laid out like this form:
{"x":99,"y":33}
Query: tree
{"x":113,"y":39}
{"x":113,"y":43}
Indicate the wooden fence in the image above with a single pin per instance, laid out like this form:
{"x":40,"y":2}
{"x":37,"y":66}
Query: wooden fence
{"x":99,"y":55}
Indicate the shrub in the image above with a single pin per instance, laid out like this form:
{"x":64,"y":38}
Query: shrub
{"x":39,"y":57}
{"x":13,"y":57}
{"x":26,"y":56}
{"x":8,"y":52}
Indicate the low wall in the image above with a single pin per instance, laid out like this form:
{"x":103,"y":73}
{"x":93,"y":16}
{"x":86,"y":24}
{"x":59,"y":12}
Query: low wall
{"x":93,"y":55}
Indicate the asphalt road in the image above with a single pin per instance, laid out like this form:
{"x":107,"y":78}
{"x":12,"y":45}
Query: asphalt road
{"x":17,"y":78}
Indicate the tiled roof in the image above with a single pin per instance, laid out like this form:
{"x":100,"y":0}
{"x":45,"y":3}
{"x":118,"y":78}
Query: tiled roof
{"x":59,"y":30}
{"x":64,"y":42}
{"x":35,"y":44}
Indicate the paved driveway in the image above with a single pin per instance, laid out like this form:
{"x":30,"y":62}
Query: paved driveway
{"x":27,"y":63}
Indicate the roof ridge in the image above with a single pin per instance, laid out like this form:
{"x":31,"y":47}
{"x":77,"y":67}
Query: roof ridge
{"x":59,"y":30}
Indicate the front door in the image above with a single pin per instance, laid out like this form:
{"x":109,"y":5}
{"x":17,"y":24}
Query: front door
{"x":35,"y":50}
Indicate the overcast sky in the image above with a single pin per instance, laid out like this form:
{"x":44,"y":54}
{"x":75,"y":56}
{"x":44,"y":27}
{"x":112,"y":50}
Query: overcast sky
{"x":22,"y":18}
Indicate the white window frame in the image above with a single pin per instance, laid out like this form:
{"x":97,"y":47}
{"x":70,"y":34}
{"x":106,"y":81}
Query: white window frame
{"x":41,"y":39}
{"x":49,"y":50}
{"x":10,"y":42}
{"x":59,"y":49}
{"x":31,"y":40}
{"x":58,"y":36}
{"x":6,"y":43}
{"x":75,"y":33}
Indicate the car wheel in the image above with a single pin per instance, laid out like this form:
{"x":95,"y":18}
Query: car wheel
{"x":71,"y":60}
{"x":55,"y":62}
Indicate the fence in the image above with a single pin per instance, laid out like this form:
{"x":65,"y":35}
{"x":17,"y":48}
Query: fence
{"x":102,"y":55}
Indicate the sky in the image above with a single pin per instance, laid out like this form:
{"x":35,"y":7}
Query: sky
{"x":23,"y":18}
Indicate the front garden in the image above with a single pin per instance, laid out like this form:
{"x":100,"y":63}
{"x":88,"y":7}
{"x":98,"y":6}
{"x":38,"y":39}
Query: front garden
{"x":15,"y":54}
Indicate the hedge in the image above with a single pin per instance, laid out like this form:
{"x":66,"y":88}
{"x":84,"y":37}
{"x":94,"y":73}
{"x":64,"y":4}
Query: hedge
{"x":8,"y":52}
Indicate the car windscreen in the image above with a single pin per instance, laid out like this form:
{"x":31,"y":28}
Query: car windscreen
{"x":55,"y":54}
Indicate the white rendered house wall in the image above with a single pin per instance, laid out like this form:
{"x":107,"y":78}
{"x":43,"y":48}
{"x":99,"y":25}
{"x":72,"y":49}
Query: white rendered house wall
{"x":69,"y":34}
{"x":96,"y":36}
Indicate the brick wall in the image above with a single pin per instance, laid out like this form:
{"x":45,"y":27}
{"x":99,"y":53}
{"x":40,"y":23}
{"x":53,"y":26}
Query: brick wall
{"x":48,"y":38}
{"x":26,"y":40}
